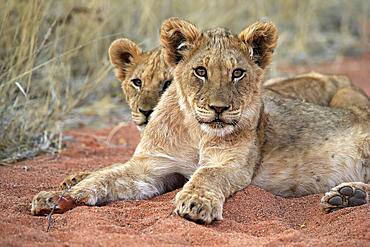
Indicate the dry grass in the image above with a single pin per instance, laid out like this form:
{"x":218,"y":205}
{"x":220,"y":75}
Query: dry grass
{"x":53,"y":55}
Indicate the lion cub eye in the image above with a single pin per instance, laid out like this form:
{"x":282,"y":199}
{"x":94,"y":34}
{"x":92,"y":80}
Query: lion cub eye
{"x":136,"y":82}
{"x":238,"y":74}
{"x":166,"y":84}
{"x":200,"y":72}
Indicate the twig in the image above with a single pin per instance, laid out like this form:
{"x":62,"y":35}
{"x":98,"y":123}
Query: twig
{"x":50,"y":215}
{"x":172,"y":213}
{"x":115,"y":130}
{"x":95,"y":137}
{"x":46,"y":38}
{"x":21,"y":89}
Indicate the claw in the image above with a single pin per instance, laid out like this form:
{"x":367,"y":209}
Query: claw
{"x":198,"y":206}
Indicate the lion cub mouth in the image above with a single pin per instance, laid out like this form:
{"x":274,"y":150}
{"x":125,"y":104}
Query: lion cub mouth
{"x":217,"y":123}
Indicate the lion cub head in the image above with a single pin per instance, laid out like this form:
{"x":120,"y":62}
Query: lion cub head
{"x":144,"y":76}
{"x":218,"y":74}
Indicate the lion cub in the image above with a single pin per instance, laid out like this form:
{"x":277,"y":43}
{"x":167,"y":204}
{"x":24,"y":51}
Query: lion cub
{"x":214,"y":127}
{"x":144,"y":76}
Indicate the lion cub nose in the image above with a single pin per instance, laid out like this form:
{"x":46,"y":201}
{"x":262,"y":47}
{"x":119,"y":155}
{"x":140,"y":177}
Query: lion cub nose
{"x":219,"y":108}
{"x":146,"y":113}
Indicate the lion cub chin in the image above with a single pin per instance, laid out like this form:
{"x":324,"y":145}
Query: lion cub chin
{"x":214,"y":128}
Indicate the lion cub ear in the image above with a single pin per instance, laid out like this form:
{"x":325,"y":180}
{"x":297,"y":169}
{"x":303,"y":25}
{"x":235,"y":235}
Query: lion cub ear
{"x":261,"y":38}
{"x":122,"y":54}
{"x":177,"y":38}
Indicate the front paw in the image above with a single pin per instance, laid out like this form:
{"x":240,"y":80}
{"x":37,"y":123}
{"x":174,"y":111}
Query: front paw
{"x":44,"y":202}
{"x":199,"y":205}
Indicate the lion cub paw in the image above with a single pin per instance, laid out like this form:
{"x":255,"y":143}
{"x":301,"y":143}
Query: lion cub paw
{"x":73,"y":179}
{"x":44,"y":202}
{"x":198,"y":205}
{"x":345,"y":195}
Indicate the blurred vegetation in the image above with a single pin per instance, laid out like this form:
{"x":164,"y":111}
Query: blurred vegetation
{"x":54,"y":65}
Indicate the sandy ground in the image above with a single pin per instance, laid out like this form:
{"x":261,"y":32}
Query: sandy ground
{"x":252,"y":217}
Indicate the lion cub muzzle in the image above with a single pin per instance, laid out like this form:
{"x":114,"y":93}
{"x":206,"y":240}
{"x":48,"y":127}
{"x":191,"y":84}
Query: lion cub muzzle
{"x":217,"y":117}
{"x":143,"y":111}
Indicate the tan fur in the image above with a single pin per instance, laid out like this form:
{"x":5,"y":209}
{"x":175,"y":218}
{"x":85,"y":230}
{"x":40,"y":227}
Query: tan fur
{"x":222,"y":134}
{"x":149,"y":67}
{"x":325,"y":90}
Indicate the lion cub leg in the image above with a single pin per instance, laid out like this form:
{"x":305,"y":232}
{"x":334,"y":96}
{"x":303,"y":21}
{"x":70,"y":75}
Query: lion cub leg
{"x":201,"y":199}
{"x":346,"y":195}
{"x":223,"y":173}
{"x":139,"y":178}
{"x":73,"y":179}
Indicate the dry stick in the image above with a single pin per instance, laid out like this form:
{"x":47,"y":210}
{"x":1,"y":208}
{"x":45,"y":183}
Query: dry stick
{"x":46,"y":37}
{"x":115,"y":130}
{"x":95,"y":137}
{"x":50,"y":215}
{"x":60,"y":143}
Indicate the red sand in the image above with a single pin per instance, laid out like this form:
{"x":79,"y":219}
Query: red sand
{"x":251,"y":217}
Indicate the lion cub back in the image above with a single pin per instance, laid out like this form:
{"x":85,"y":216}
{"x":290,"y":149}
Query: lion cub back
{"x":325,"y":90}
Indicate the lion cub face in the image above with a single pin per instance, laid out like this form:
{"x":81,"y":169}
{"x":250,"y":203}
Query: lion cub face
{"x":144,"y":77}
{"x":218,"y":75}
